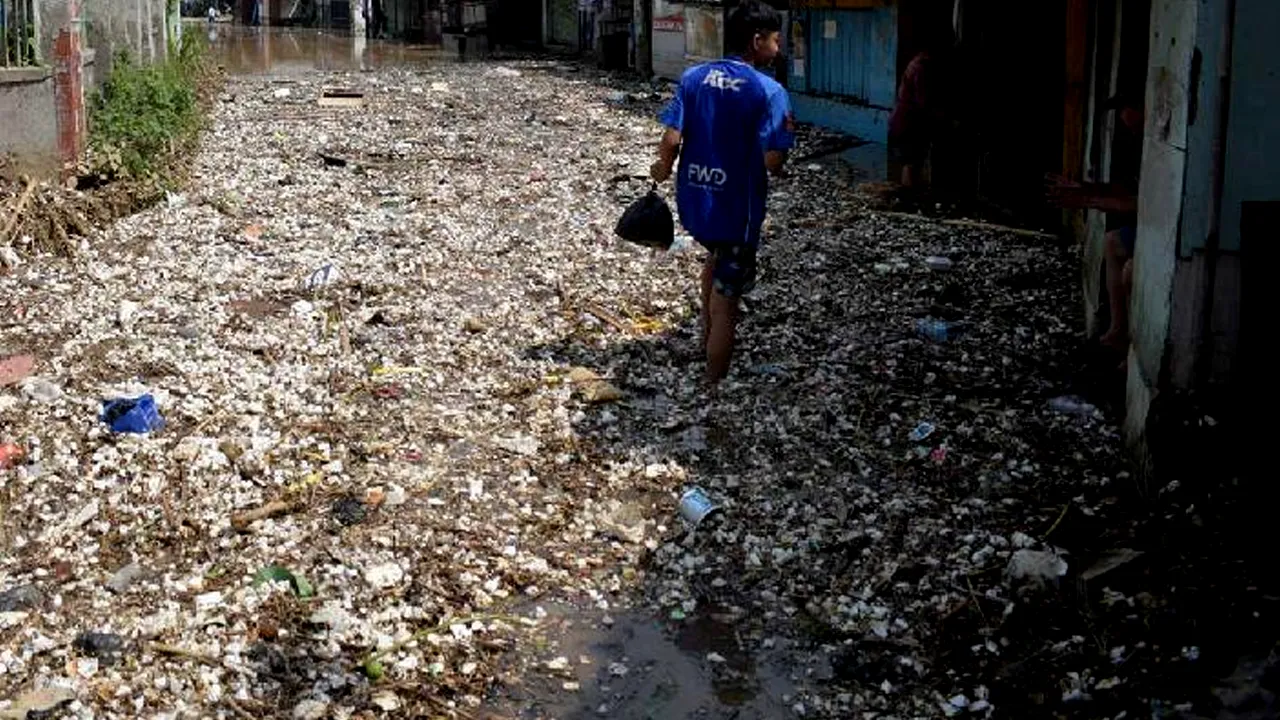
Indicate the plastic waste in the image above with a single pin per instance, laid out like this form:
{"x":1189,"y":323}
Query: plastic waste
{"x":939,"y":263}
{"x":682,"y":243}
{"x":648,"y":222}
{"x":15,"y":369}
{"x":323,"y":276}
{"x":10,"y":455}
{"x":1037,"y":567}
{"x":132,"y":415}
{"x":695,"y":506}
{"x":938,"y":330}
{"x":921,"y":431}
{"x":41,"y":390}
{"x":1071,"y":405}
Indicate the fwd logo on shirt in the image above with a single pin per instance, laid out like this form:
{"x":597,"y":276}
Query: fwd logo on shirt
{"x":706,"y":176}
{"x":720,"y":80}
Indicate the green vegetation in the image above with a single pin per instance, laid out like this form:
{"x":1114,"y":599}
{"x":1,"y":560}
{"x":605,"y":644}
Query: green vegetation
{"x":145,"y":114}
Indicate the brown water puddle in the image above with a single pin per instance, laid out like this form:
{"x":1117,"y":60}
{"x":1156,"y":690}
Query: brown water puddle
{"x":643,"y":668}
{"x":295,"y":51}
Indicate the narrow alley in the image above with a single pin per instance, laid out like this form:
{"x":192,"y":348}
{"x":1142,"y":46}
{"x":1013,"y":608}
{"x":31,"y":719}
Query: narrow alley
{"x":427,"y":423}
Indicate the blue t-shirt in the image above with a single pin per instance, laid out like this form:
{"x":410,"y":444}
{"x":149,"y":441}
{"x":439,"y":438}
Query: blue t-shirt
{"x":728,"y":115}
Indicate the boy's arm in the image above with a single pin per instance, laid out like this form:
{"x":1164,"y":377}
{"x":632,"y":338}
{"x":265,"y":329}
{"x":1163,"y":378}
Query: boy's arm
{"x":668,"y":150}
{"x":774,"y":160}
{"x":669,"y":147}
{"x":778,"y":132}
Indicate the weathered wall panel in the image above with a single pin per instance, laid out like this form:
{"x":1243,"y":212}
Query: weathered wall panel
{"x":1173,"y":32}
{"x":703,"y":33}
{"x":843,"y":69}
{"x":668,"y":39}
{"x":853,"y":54}
{"x":1253,"y":132}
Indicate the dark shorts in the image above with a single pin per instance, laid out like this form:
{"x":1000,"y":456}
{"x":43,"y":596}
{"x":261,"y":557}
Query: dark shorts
{"x":908,"y":151}
{"x":733,"y":271}
{"x":1128,"y":237}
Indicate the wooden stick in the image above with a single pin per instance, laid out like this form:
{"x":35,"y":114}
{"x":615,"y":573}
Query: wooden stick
{"x":977,"y":224}
{"x":275,"y":508}
{"x":211,"y":661}
{"x":176,"y":651}
{"x":1001,"y":228}
{"x":17,"y":209}
{"x":606,"y":316}
{"x":239,"y":709}
{"x":1056,"y":523}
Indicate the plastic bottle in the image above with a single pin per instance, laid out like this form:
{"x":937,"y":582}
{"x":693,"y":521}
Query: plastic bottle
{"x":938,"y":330}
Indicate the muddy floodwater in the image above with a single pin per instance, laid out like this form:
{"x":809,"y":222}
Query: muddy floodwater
{"x":635,"y":666}
{"x":297,"y":51}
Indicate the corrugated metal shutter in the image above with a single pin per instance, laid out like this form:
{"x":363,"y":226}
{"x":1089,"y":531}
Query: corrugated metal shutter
{"x":853,"y":54}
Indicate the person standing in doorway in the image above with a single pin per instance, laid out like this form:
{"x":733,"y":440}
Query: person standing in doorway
{"x":730,"y":124}
{"x":917,"y":115}
{"x":1119,"y":200}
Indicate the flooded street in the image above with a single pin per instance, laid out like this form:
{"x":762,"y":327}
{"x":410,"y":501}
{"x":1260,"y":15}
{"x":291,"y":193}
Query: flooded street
{"x":300,"y":51}
{"x":427,"y":422}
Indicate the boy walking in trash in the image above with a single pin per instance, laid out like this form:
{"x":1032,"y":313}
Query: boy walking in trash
{"x":731,"y":125}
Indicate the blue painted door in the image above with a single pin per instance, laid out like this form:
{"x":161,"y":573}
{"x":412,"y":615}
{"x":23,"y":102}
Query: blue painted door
{"x":852,"y":54}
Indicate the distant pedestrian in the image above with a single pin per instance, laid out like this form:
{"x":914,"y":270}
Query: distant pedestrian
{"x":586,"y":25}
{"x":212,"y":13}
{"x":918,"y":113}
{"x":731,"y":125}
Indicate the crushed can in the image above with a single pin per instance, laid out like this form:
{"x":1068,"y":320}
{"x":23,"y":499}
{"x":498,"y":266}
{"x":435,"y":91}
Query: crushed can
{"x":695,"y":506}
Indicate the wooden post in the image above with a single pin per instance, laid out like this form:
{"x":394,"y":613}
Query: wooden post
{"x":642,"y":21}
{"x":68,"y":92}
{"x":1160,"y":206}
{"x":1106,"y":78}
{"x":1075,"y":94}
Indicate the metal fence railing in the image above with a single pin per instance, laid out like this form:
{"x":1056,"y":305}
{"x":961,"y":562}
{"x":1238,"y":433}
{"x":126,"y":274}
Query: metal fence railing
{"x":18,"y":31}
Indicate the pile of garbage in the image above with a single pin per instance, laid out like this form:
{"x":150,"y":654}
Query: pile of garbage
{"x":316,"y":437}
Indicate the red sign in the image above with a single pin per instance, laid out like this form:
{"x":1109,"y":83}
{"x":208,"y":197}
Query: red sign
{"x":671,"y":23}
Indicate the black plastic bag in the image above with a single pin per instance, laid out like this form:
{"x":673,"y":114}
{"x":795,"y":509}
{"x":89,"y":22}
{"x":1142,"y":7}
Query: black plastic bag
{"x":648,"y":222}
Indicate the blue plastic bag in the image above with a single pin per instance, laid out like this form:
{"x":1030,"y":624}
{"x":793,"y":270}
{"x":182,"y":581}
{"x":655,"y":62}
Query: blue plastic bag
{"x":132,"y":415}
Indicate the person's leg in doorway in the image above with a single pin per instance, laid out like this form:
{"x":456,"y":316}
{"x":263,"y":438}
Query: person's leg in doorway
{"x":1117,"y":255}
{"x":907,"y":161}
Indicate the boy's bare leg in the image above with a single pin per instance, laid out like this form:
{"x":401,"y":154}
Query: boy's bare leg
{"x":708,"y":269}
{"x":720,"y":337}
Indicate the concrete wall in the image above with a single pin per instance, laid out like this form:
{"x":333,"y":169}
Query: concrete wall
{"x":138,"y":26}
{"x":30,"y":137}
{"x":29,"y":98}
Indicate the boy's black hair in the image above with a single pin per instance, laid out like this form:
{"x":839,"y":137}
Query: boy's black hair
{"x":748,"y":19}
